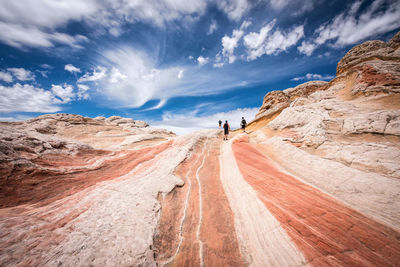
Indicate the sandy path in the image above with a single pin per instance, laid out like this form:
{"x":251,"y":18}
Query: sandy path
{"x":196,"y":225}
{"x":326,"y":231}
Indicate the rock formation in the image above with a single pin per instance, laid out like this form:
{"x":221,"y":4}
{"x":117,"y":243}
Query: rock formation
{"x":315,"y":181}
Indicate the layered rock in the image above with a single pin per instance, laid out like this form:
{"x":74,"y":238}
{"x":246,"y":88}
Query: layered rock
{"x":348,"y":135}
{"x":276,"y":101}
{"x":315,"y":181}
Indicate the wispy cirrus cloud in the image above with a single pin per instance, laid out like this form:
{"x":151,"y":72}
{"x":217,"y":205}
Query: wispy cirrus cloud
{"x":353,"y":25}
{"x":42,"y":27}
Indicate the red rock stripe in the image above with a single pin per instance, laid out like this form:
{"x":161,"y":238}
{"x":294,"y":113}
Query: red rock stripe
{"x":217,"y":232}
{"x":326,"y":231}
{"x":44,"y":186}
{"x":220,"y":245}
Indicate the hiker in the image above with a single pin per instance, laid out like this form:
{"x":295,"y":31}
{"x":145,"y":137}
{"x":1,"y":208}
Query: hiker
{"x":243,"y":124}
{"x":219,"y":123}
{"x":226,"y":130}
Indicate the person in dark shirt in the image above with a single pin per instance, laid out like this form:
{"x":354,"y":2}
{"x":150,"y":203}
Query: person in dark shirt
{"x":226,"y":130}
{"x":243,"y":124}
{"x":219,"y":123}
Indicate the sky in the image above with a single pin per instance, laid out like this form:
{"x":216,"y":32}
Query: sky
{"x":177,"y":64}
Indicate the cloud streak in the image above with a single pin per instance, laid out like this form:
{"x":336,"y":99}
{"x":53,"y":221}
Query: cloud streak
{"x":353,"y":26}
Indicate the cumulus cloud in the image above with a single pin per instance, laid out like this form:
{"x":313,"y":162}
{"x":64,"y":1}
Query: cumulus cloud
{"x":97,"y":74}
{"x":116,"y":76}
{"x":27,"y":98}
{"x":83,"y":91}
{"x":314,"y":76}
{"x":185,"y":123}
{"x":6,"y":77}
{"x":63,"y":93}
{"x":353,"y":26}
{"x":307,"y":48}
{"x":71,"y":68}
{"x":268,"y":42}
{"x":22,"y":74}
{"x":229,"y":44}
{"x":202,"y":60}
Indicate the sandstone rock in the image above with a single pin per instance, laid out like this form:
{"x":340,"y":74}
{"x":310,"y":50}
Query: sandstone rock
{"x":276,"y":101}
{"x":369,"y":50}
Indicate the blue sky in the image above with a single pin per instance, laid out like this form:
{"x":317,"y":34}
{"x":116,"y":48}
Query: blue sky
{"x":178,"y":64}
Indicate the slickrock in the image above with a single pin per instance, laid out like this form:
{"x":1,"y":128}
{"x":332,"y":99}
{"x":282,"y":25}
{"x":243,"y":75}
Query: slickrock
{"x":262,"y":240}
{"x":345,"y":139}
{"x":202,"y":230}
{"x":314,"y":181}
{"x":327,"y":232}
{"x":276,"y":101}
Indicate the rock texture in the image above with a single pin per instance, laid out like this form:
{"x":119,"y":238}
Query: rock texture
{"x":315,"y":181}
{"x":276,"y":101}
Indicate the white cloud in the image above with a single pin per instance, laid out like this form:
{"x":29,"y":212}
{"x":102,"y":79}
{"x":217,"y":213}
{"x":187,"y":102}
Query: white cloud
{"x":235,"y":9}
{"x":38,"y":28}
{"x":185,"y":123}
{"x":351,"y":26}
{"x":180,"y":74}
{"x":116,"y":76}
{"x":213,"y":27}
{"x":307,"y":48}
{"x":229,"y":44}
{"x":97,"y":74}
{"x":202,"y":60}
{"x":43,"y":73}
{"x":296,"y":7}
{"x":46,"y":66}
{"x":22,"y":74}
{"x":314,"y":76}
{"x":82,"y":91}
{"x":26,"y":98}
{"x":267,"y":42}
{"x":6,"y":77}
{"x":279,"y":4}
{"x":63,"y":93}
{"x":143,"y":79}
{"x":218,"y":65}
{"x":71,"y":68}
{"x":160,"y":104}
{"x":22,"y":35}
{"x":146,"y":80}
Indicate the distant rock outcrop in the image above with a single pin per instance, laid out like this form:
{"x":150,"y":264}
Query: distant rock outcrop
{"x":276,"y":101}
